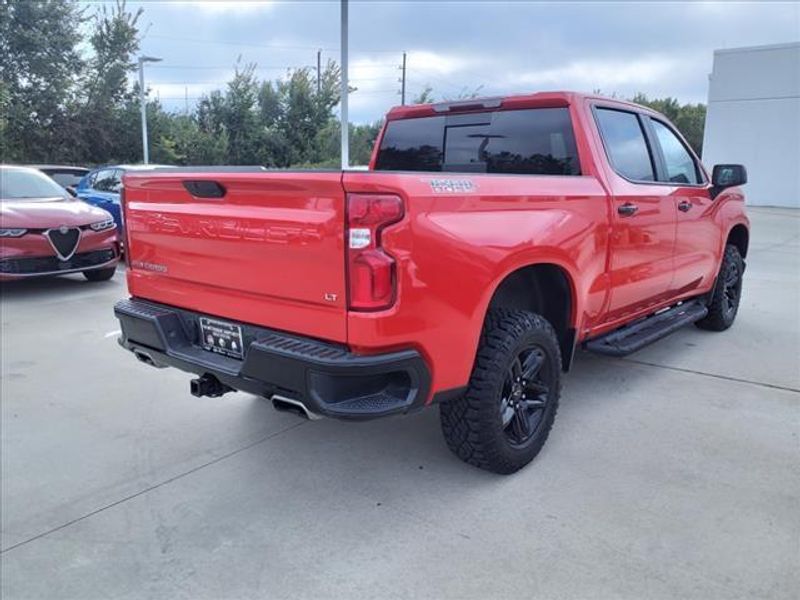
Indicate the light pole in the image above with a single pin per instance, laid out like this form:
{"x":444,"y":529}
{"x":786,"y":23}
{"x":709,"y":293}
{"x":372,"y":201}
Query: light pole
{"x":142,"y":60}
{"x":345,"y":89}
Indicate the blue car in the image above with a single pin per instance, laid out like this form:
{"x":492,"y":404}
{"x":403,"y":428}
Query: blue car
{"x":101,"y":187}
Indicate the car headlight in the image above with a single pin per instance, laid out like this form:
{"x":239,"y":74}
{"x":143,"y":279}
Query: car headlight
{"x":12,"y":232}
{"x":103,"y":225}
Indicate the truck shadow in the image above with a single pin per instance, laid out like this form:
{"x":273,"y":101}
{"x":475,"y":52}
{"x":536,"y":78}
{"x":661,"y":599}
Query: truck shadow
{"x":411,"y":448}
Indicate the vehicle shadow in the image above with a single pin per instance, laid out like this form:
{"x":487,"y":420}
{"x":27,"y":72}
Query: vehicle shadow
{"x":64,"y":285}
{"x":411,"y":448}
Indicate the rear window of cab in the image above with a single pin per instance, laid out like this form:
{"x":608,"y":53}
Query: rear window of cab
{"x":538,"y":141}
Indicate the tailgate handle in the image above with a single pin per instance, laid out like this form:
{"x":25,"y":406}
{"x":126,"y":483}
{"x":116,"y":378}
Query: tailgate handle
{"x":205,"y":189}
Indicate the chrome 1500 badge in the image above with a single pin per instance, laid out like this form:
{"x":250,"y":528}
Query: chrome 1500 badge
{"x":452,"y":186}
{"x":148,"y":266}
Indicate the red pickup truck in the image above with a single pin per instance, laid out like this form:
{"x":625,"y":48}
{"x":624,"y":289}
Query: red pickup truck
{"x":488,"y":240}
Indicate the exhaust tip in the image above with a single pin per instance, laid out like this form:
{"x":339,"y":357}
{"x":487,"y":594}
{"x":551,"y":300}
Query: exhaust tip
{"x":293,"y":406}
{"x":144,"y":357}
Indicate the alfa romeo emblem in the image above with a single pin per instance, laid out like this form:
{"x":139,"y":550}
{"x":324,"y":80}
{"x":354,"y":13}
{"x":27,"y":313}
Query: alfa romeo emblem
{"x":63,"y":230}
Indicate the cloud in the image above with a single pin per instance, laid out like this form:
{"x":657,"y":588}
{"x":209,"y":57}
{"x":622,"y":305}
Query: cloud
{"x":230,"y":6}
{"x":441,"y":63}
{"x":660,"y":49}
{"x":594,"y":74}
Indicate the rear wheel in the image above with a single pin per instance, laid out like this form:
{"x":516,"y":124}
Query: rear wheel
{"x":100,"y":274}
{"x":504,"y":418}
{"x":727,"y":293}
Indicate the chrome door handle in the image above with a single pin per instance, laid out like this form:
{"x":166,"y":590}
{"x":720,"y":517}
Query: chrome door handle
{"x":684,"y":206}
{"x":627,"y":209}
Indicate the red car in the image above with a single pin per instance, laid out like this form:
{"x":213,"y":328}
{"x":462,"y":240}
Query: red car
{"x":44,"y":231}
{"x":490,"y":239}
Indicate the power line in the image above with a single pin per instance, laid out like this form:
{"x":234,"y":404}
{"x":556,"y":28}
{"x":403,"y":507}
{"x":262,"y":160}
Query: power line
{"x":358,"y":92}
{"x":270,"y":46}
{"x":258,"y":67}
{"x":225,"y":82}
{"x":232,"y":66}
{"x":228,"y":43}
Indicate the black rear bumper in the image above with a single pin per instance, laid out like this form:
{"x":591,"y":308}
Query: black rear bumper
{"x":326,"y":378}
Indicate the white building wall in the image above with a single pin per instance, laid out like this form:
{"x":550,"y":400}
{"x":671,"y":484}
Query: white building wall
{"x":754,"y":119}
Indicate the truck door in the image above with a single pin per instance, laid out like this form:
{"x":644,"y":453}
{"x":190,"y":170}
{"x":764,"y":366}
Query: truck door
{"x":697,"y":238}
{"x":643,"y":217}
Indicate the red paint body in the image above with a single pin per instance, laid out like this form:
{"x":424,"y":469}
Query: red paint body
{"x":272,"y":252}
{"x":38,"y":216}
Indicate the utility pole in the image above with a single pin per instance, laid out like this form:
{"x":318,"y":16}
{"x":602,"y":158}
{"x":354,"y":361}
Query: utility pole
{"x":319,"y":71}
{"x":403,"y":82}
{"x":345,"y":89}
{"x":143,"y":102}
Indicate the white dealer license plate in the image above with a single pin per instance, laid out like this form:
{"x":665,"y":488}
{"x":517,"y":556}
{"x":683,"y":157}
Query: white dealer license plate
{"x":221,"y":337}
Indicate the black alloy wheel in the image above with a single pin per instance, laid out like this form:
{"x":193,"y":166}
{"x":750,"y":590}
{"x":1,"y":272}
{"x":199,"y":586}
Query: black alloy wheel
{"x":525,"y":394}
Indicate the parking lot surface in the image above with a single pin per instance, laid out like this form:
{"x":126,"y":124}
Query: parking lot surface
{"x":672,"y":473}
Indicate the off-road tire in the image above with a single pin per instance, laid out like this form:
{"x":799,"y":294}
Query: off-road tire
{"x":721,"y":312}
{"x":472,"y":424}
{"x":100,"y":274}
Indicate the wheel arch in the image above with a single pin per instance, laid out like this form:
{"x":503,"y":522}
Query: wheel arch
{"x":545,"y":288}
{"x":739,"y":236}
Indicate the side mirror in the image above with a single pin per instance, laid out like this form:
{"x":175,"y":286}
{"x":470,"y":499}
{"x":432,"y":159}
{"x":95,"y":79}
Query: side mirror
{"x":71,"y":191}
{"x":725,"y":176}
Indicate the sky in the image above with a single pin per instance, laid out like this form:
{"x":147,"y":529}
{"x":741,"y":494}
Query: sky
{"x":658,"y":48}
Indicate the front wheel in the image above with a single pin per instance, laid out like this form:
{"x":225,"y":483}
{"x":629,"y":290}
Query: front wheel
{"x":100,"y":274}
{"x":727,"y":292}
{"x":505,"y":416}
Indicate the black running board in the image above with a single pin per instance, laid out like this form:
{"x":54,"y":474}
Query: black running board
{"x":641,"y":333}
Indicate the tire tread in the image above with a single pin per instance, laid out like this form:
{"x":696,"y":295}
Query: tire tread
{"x":466,"y":421}
{"x":715,"y":319}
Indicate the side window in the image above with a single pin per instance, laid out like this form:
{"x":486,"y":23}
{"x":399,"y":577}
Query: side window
{"x":625,"y":144}
{"x":680,"y":165}
{"x":107,"y":180}
{"x":101,"y":180}
{"x":90,"y":179}
{"x":117,"y":184}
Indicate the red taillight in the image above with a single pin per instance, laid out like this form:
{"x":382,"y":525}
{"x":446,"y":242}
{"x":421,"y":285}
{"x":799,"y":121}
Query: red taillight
{"x":371,"y":272}
{"x":126,"y":247}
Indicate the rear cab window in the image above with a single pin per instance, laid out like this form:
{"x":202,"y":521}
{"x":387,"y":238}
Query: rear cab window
{"x":537,"y":141}
{"x":66,"y":178}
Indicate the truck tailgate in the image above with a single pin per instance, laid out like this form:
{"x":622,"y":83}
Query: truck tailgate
{"x":269,"y":251}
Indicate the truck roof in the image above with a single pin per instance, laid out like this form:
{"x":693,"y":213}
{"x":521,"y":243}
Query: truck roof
{"x":533,"y":100}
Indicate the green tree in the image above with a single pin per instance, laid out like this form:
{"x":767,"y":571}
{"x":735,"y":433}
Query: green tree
{"x":241,"y":117}
{"x":105,"y":116}
{"x":269,"y":104}
{"x":211,"y":113}
{"x":184,"y":143}
{"x":57,"y":106}
{"x":328,"y":143}
{"x":688,"y":118}
{"x":425,"y":96}
{"x":305,"y":111}
{"x":39,"y":63}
